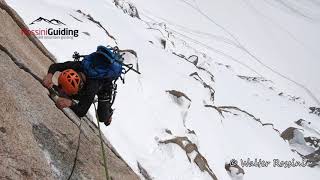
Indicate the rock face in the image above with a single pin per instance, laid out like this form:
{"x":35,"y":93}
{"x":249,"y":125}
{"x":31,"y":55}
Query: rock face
{"x":37,"y":140}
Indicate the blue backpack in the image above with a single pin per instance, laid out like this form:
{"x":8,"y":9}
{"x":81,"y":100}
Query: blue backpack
{"x":105,"y":63}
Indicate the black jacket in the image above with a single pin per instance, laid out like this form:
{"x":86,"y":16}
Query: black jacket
{"x":86,"y":95}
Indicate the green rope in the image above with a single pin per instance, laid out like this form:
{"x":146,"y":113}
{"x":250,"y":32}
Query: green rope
{"x":102,"y":147}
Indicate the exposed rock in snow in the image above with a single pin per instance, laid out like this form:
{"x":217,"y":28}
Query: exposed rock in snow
{"x":96,"y":22}
{"x":313,"y":159}
{"x":302,"y":122}
{"x":168,"y":131}
{"x":294,"y":136}
{"x":192,"y":153}
{"x":163,"y":35}
{"x":196,"y":76}
{"x":234,"y":171}
{"x":127,"y":7}
{"x":291,"y":98}
{"x":231,"y":109}
{"x":299,"y":144}
{"x":183,"y":101}
{"x":315,"y":110}
{"x":253,"y":79}
{"x":75,"y":18}
{"x":194,"y":59}
{"x":308,"y":126}
{"x":179,"y":97}
{"x":144,"y":172}
{"x":313,"y":142}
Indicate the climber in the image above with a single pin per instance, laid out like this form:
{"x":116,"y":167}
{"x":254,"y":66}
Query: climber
{"x":76,"y":82}
{"x":73,"y":84}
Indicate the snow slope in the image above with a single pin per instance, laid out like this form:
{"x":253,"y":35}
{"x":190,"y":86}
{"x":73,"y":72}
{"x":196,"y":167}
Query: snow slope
{"x":256,"y":75}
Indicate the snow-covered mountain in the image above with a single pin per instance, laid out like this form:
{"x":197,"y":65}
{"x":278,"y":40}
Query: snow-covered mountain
{"x":221,"y":82}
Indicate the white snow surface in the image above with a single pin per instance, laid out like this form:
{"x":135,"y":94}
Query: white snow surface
{"x":276,"y":41}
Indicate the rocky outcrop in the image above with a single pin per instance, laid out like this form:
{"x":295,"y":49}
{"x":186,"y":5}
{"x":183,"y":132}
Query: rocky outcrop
{"x":90,"y":18}
{"x":127,"y":8}
{"x":313,"y":159}
{"x":253,"y":79}
{"x":306,"y":147}
{"x":178,"y":94}
{"x":308,"y":126}
{"x":313,"y":142}
{"x":144,"y":172}
{"x":230,"y":109}
{"x":183,"y":101}
{"x":234,"y":171}
{"x":37,"y":140}
{"x":315,"y":110}
{"x":192,"y":153}
{"x":194,"y":59}
{"x":289,"y":133}
{"x":196,"y":76}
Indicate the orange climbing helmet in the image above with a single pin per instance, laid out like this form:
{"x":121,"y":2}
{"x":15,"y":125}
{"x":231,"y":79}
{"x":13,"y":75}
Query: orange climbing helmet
{"x":69,"y":80}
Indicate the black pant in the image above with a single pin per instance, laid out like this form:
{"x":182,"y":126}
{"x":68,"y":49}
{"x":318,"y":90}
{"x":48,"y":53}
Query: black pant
{"x":105,"y":98}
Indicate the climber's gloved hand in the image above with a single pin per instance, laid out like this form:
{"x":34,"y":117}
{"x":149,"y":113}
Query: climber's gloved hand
{"x":47,"y":81}
{"x":63,"y":103}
